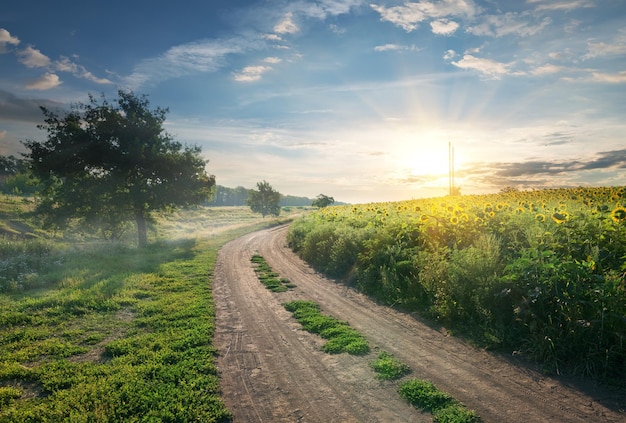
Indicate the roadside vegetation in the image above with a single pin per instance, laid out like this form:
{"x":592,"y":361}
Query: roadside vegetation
{"x":104,"y":331}
{"x":339,"y":335}
{"x":268,"y":277}
{"x":539,"y":273}
{"x":387,"y":367}
{"x":426,"y":396}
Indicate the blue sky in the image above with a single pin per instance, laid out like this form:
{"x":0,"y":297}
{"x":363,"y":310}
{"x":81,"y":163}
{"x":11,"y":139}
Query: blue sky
{"x":354,"y":99}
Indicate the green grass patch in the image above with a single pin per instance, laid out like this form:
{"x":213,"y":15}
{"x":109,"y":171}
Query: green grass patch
{"x":270,"y":279}
{"x":387,"y":367}
{"x":341,"y":337}
{"x":103,"y":331}
{"x":445,"y":409}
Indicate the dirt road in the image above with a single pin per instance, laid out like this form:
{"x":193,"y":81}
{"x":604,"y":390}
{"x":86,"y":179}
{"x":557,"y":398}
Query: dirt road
{"x":272,"y":371}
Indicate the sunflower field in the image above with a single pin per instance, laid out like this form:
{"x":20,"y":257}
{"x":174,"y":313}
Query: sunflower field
{"x":538,"y":273}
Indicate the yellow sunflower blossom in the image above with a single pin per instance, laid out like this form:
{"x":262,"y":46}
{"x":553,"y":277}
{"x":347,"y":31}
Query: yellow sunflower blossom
{"x":618,"y":214}
{"x":560,"y":217}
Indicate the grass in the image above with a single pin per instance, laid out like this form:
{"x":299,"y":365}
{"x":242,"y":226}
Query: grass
{"x":426,"y":396}
{"x":339,"y":335}
{"x":101,"y":331}
{"x":268,"y":277}
{"x":387,"y":367}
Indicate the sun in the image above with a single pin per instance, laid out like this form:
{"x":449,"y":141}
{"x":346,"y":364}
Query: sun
{"x":426,"y":157}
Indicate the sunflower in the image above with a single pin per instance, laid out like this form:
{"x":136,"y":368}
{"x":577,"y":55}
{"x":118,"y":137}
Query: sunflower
{"x":618,"y":214}
{"x":540,"y":217}
{"x":560,"y":217}
{"x":454,"y":220}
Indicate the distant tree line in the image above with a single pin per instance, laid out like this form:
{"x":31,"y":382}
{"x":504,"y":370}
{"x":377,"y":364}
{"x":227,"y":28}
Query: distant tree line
{"x":224,"y":196}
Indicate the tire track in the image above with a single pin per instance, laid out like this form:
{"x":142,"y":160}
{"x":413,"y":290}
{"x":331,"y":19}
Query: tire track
{"x":272,"y":371}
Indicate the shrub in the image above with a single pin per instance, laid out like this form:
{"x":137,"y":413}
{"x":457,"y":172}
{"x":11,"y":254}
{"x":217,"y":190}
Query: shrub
{"x":423,"y":394}
{"x":340,"y":336}
{"x":388,"y":367}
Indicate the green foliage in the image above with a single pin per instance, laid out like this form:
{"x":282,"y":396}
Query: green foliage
{"x":8,"y":394}
{"x":426,"y":396}
{"x":455,"y":413}
{"x":341,"y":337}
{"x":115,"y":334}
{"x":268,"y":277}
{"x":423,"y":394}
{"x":387,"y":367}
{"x":265,"y":200}
{"x":106,"y":165}
{"x":329,"y":247}
{"x":21,"y":262}
{"x":322,"y":201}
{"x":540,"y":273}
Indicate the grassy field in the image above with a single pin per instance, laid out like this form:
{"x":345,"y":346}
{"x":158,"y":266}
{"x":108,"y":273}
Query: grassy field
{"x":102,"y":331}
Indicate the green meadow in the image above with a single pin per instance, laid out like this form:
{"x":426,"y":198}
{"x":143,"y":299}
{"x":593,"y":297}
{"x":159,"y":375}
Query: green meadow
{"x":104,"y":331}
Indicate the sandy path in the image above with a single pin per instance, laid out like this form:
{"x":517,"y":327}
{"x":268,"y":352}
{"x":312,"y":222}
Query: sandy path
{"x":272,"y":371}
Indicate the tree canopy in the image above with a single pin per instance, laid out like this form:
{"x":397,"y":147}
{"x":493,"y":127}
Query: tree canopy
{"x":264,"y":200}
{"x":106,"y":164}
{"x":322,"y":201}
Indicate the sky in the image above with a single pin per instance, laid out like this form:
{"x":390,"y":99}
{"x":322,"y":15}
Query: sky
{"x":358,"y":100}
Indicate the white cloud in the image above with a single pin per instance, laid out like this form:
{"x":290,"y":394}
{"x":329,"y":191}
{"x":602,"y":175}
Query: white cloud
{"x":449,"y":55}
{"x":444,"y":27}
{"x":406,"y":17}
{"x":185,"y":59}
{"x":272,"y":37}
{"x":287,"y":25}
{"x":396,"y":47}
{"x":33,"y":58}
{"x":66,"y":65}
{"x":272,"y":60}
{"x":410,"y":14}
{"x":614,"y":78}
{"x":336,"y":29}
{"x":507,"y":24}
{"x":487,"y":67}
{"x":547,"y":69}
{"x":604,"y":49}
{"x":251,"y":73}
{"x":7,"y":39}
{"x":46,"y":82}
{"x":321,"y":9}
{"x":3,"y":135}
{"x":565,"y":5}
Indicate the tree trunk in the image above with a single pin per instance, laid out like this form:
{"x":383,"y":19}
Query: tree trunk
{"x":142,"y":234}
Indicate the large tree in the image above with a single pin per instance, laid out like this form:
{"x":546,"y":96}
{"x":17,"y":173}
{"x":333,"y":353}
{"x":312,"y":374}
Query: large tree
{"x":264,"y":200}
{"x":106,"y":164}
{"x":323,"y":201}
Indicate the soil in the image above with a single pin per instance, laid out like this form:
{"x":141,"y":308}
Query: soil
{"x":273,"y":371}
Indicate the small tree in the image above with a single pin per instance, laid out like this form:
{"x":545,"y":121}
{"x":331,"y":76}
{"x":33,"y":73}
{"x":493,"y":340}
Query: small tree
{"x":322,"y":201}
{"x":265,"y":201}
{"x":107,"y":164}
